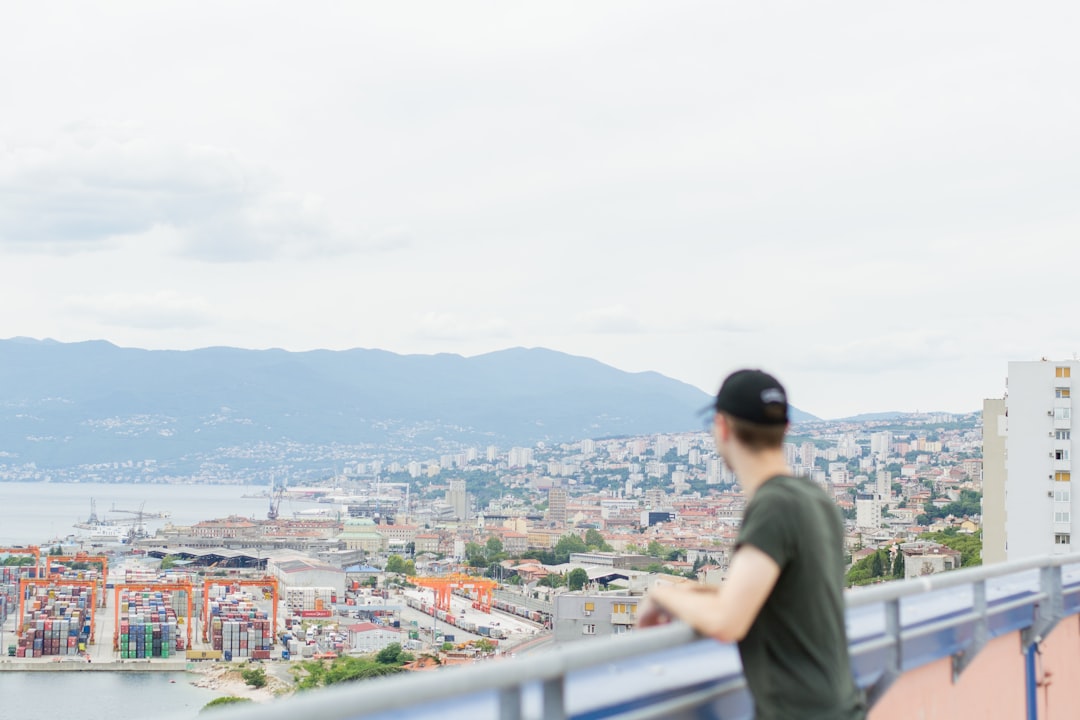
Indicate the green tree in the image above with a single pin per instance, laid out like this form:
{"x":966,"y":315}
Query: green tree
{"x":596,"y":541}
{"x":168,"y":562}
{"x":969,"y":546}
{"x":395,"y":564}
{"x":475,"y":555}
{"x":494,"y":547}
{"x":576,"y":579}
{"x":655,"y":549}
{"x":392,"y":654}
{"x":225,"y":701}
{"x":255,"y":677}
{"x":553,"y":580}
{"x":898,"y":565}
{"x":567,"y":544}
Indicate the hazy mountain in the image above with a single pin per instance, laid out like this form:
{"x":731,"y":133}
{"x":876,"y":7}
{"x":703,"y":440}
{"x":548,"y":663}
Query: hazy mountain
{"x":73,"y":403}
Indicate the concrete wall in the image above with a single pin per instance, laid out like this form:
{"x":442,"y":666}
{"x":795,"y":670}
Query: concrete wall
{"x":994,"y":685}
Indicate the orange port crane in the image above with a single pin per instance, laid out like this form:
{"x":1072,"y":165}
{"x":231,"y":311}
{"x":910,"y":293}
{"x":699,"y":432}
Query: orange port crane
{"x":48,"y":582}
{"x":82,"y":558}
{"x":444,"y":586}
{"x":267,"y":581}
{"x":31,"y":550}
{"x":151,"y":587}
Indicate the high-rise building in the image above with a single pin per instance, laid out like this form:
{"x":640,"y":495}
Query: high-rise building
{"x":868,"y":511}
{"x":880,"y":442}
{"x":556,"y":512}
{"x":458,"y":498}
{"x":993,"y":480}
{"x":1037,"y":484}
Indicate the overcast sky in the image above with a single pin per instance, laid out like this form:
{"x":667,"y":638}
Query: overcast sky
{"x":878,"y":202}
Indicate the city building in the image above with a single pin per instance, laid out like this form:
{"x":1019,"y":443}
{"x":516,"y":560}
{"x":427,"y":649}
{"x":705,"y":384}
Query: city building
{"x":1037,"y":457}
{"x":580,"y":616}
{"x":556,"y":512}
{"x":458,"y":499}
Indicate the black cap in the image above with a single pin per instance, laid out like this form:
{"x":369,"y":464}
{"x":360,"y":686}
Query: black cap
{"x":754,"y":396}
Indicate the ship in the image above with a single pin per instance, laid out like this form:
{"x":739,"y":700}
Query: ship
{"x":114,"y":530}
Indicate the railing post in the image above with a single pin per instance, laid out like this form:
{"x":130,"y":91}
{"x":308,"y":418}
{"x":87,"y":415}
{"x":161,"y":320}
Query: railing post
{"x":962,"y":659}
{"x":1050,"y":609}
{"x":894,"y":664}
{"x":554,"y":699}
{"x":510,"y":703}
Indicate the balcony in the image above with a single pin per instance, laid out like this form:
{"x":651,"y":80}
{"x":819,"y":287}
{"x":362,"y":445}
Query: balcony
{"x":1000,"y":641}
{"x":622,"y":619}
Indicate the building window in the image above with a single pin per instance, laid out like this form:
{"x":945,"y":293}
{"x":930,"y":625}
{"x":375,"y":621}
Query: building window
{"x":1062,"y":476}
{"x":589,"y":607}
{"x":1062,"y":413}
{"x":1061,"y":454}
{"x":1061,"y":372}
{"x":1062,"y":495}
{"x":1062,"y":516}
{"x":1062,"y":539}
{"x":1063,"y":434}
{"x":1061,"y":392}
{"x":588,"y":629}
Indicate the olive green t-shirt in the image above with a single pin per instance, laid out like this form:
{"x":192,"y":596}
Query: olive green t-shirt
{"x":795,"y":656}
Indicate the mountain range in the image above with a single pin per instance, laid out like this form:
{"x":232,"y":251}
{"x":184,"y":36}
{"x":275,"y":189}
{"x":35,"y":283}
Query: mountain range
{"x":89,"y":402}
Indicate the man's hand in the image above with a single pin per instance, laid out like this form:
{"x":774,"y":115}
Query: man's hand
{"x":649,"y":613}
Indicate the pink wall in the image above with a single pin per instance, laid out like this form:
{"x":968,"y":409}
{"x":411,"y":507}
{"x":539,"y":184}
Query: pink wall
{"x":993,"y":686}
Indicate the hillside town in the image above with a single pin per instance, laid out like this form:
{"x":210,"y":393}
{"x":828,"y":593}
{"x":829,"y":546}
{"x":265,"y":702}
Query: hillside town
{"x":571,"y":536}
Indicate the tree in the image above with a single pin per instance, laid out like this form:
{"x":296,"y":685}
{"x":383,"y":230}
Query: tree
{"x":655,"y":549}
{"x":596,"y":541}
{"x":392,"y":654}
{"x":494,"y":547}
{"x":225,"y":701}
{"x":576,"y":579}
{"x":396,"y":564}
{"x":168,"y":562}
{"x":255,"y":677}
{"x":969,"y":546}
{"x":898,"y":565}
{"x":567,"y":544}
{"x":553,"y":580}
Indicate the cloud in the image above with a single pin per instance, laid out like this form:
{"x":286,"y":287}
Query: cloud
{"x":620,"y":320}
{"x":452,"y":327}
{"x":90,"y":187}
{"x":163,"y":310}
{"x":903,"y":350}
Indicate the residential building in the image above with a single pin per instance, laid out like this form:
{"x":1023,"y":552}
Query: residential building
{"x":1038,"y":467}
{"x":580,"y":616}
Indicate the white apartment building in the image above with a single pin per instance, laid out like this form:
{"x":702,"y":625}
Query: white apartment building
{"x":880,"y":442}
{"x":1038,"y":448}
{"x":868,"y":511}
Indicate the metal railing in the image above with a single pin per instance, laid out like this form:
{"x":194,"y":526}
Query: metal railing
{"x":670,"y":671}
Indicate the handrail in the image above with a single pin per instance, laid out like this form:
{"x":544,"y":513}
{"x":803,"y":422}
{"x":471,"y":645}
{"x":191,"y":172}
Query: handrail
{"x":506,"y":680}
{"x":341,"y":702}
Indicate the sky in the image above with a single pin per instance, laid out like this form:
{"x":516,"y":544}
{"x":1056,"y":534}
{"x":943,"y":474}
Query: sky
{"x":876,"y":202}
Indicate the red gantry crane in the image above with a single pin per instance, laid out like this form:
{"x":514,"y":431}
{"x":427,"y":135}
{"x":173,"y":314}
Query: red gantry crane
{"x":151,"y":587}
{"x":264,"y":582}
{"x":82,"y":558}
{"x":444,"y":586}
{"x":48,"y":582}
{"x":31,"y":550}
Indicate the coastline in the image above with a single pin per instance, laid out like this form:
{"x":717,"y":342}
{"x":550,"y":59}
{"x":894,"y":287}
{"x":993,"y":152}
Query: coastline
{"x":226,"y":679}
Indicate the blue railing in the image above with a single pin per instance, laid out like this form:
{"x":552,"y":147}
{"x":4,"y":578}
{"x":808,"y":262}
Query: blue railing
{"x":670,"y":672}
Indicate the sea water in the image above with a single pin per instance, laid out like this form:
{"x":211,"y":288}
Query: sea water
{"x":34,"y":513}
{"x":102,"y":695}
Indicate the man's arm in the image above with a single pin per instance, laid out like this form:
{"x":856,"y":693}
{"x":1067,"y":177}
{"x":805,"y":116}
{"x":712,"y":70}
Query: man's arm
{"x":723,"y":614}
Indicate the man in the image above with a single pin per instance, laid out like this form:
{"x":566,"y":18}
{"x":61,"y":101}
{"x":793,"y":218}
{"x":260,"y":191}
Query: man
{"x":782,"y":601}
